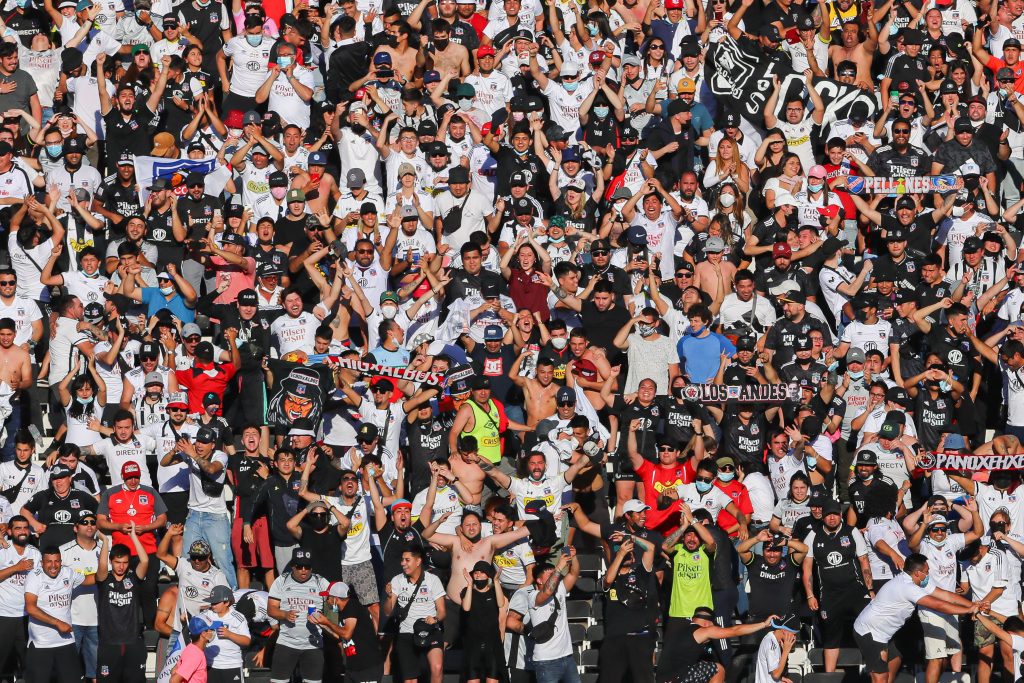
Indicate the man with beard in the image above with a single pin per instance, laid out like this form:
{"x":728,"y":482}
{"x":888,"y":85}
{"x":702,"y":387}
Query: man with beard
{"x":783,"y":268}
{"x":744,"y":310}
{"x":17,"y":559}
{"x":802,"y":367}
{"x":952,"y":343}
{"x":470,"y":280}
{"x":278,"y":500}
{"x":126,"y":124}
{"x":397,"y":534}
{"x":602,"y":317}
{"x":780,"y":341}
{"x":844,"y":573}
{"x":772,"y":575}
{"x":866,"y":478}
{"x":196,"y":210}
{"x":117,"y":197}
{"x":899,"y":158}
{"x":311,"y":527}
{"x":356,"y":564}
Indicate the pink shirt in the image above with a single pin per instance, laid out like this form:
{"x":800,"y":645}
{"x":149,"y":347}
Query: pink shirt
{"x":192,"y":664}
{"x":236,"y":277}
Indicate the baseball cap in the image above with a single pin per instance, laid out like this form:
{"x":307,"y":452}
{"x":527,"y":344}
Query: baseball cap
{"x":831,"y":506}
{"x":963,"y":125}
{"x":803,"y":344}
{"x":381,"y":58}
{"x":785,"y":199}
{"x":855,"y":355}
{"x":336,"y":589}
{"x":206,"y":435}
{"x":817,"y":171}
{"x":686,"y":85}
{"x":409,"y":212}
{"x":368,"y":432}
{"x":866,"y":458}
{"x":493,"y":333}
{"x":295,"y":195}
{"x":794,"y":297}
{"x":636,"y":235}
{"x":714,"y":245}
{"x":972,"y":244}
{"x":479,"y":382}
{"x":59,"y":471}
{"x":130,"y":469}
{"x":634,"y":505}
{"x":938,"y":520}
{"x":565,"y":396}
{"x":355,"y":177}
{"x":1005,"y":73}
{"x":484,"y":51}
{"x":406,"y":169}
{"x":789,"y":623}
{"x":221,"y":594}
{"x":178,"y":398}
{"x":746,"y":343}
{"x":782,"y":250}
{"x":196,"y":626}
{"x":401,"y":503}
{"x":888,"y":430}
{"x":154,"y":378}
{"x":302,"y":558}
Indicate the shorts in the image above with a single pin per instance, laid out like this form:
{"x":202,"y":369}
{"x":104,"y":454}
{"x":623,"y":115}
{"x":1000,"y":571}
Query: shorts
{"x":255,"y":555}
{"x":941,"y":634}
{"x":224,"y":675}
{"x":363,"y":580}
{"x":309,"y":662}
{"x":372,"y":675}
{"x":177,"y":506}
{"x":982,"y":636}
{"x":836,"y":610}
{"x":876,"y":655}
{"x":623,"y":469}
{"x":701,"y":672}
{"x":410,"y":659}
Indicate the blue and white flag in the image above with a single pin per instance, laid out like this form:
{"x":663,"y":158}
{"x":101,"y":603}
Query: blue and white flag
{"x":174,"y":171}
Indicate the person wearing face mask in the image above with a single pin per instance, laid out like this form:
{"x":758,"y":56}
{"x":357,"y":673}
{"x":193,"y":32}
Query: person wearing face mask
{"x":935,"y":538}
{"x":482,"y":600}
{"x":702,"y":494}
{"x":250,"y":56}
{"x":895,"y":602}
{"x":866,"y":478}
{"x":312,"y":527}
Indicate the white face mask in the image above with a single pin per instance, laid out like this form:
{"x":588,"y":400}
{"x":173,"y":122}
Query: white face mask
{"x":958,"y":211}
{"x":727,"y":200}
{"x":559,"y":342}
{"x":389,"y":312}
{"x":166,"y":290}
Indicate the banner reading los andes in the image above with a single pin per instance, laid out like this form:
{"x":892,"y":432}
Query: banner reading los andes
{"x":743,"y":79}
{"x":942,"y":460}
{"x":748,"y":393}
{"x":174,"y":171}
{"x":925,"y":184}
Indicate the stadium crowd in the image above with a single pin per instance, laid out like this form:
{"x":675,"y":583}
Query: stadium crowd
{"x":509,"y":340}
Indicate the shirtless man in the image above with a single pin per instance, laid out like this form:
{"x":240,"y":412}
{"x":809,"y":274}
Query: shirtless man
{"x":715,"y":275}
{"x":15,"y":373}
{"x":446,"y":56}
{"x":463,"y":466}
{"x":853,"y":50}
{"x":468,"y":548}
{"x":589,"y":369}
{"x":539,"y":392}
{"x":404,"y":57}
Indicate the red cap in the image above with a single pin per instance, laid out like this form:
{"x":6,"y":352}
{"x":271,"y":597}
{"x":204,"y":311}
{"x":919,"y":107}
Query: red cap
{"x":782,"y":249}
{"x":233,"y":119}
{"x":130,"y":469}
{"x":360,"y":94}
{"x":597,"y":56}
{"x":673,"y":4}
{"x":485,"y":50}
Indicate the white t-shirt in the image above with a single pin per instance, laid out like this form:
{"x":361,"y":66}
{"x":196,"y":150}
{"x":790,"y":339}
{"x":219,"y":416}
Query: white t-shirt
{"x":53,"y":597}
{"x":83,"y":599}
{"x":249,"y":64}
{"x":222,"y":653}
{"x":117,"y":454}
{"x":769,"y":655}
{"x":295,"y":333}
{"x":549,"y":490}
{"x":423,"y":604}
{"x":173,"y":478}
{"x":12,"y":589}
{"x":942,"y":560}
{"x":194,"y":587}
{"x":29,"y":285}
{"x":299,"y":597}
{"x":714,"y":501}
{"x":524,"y":602}
{"x":889,"y":611}
{"x":198,"y":500}
{"x":63,"y":347}
{"x":891,"y":533}
{"x":32,"y":482}
{"x":990,"y":499}
{"x":23,"y":312}
{"x":357,"y":541}
{"x":286,"y":102}
{"x":868,"y":337}
{"x":445,"y":500}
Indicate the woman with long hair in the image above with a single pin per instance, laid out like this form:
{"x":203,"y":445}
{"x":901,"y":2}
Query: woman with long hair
{"x":83,"y":397}
{"x":795,"y":505}
{"x":771,"y":151}
{"x":655,"y":62}
{"x":726,"y":166}
{"x":813,"y":202}
{"x":141,"y":73}
{"x":789,"y":178}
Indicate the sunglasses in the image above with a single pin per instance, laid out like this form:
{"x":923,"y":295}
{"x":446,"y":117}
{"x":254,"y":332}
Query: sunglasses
{"x":662,"y":449}
{"x":726,"y":468}
{"x":684,"y":273}
{"x":350,"y":479}
{"x":657,"y":47}
{"x":364,"y":251}
{"x":88,"y":522}
{"x":901,"y":131}
{"x":940,"y":528}
{"x":8,"y":283}
{"x":599,"y":252}
{"x":302,"y":566}
{"x":193,"y":338}
{"x":566,"y":404}
{"x":706,"y":480}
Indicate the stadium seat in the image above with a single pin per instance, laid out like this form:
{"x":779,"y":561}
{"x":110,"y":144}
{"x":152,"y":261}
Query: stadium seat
{"x":590,"y":563}
{"x":577,"y":610}
{"x":590,"y":658}
{"x":150,"y":638}
{"x":577,"y":633}
{"x":595,"y":634}
{"x":586,"y":585}
{"x":822,"y":677}
{"x":848,"y":657}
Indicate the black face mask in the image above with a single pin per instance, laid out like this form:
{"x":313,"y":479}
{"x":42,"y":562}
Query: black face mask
{"x":441,"y":44}
{"x":628,"y":149}
{"x":804,"y":361}
{"x":677,"y":392}
{"x":318,"y":521}
{"x":473,"y":539}
{"x":391,"y":41}
{"x":481,"y":583}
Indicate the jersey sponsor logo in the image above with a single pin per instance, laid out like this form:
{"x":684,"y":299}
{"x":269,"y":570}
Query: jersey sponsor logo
{"x":62,"y":516}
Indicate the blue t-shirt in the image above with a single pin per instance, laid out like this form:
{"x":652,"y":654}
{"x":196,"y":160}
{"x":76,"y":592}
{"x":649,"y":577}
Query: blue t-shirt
{"x":154,"y":301}
{"x":701,"y":355}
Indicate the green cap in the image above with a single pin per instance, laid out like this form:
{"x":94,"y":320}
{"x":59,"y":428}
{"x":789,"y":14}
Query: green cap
{"x":296,"y":196}
{"x":139,"y":48}
{"x":391,"y":296}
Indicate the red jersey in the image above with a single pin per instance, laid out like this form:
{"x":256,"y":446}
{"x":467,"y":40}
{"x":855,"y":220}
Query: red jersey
{"x":142,"y":506}
{"x":739,"y":495}
{"x":657,"y":478}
